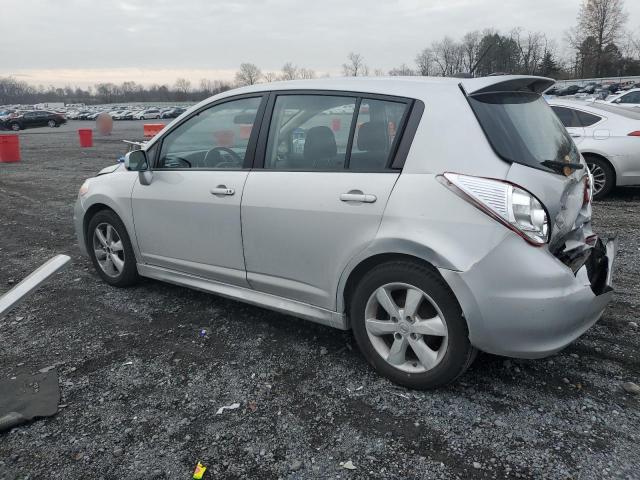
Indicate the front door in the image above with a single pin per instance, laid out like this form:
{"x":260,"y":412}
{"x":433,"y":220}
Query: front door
{"x":320,"y":196}
{"x":188,"y":217}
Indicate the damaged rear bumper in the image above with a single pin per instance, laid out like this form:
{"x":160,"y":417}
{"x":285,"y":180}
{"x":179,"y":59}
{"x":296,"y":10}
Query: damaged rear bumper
{"x":523,"y":302}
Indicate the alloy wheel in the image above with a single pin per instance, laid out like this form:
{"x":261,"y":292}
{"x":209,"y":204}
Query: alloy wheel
{"x":599,"y":177}
{"x":51,"y":123}
{"x":108,"y":249}
{"x":406,"y":327}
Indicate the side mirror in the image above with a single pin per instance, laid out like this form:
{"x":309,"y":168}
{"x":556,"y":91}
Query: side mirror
{"x":136,"y":161}
{"x":617,"y":100}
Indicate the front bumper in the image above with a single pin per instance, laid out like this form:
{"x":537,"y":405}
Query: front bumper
{"x":78,"y":223}
{"x":521,"y":301}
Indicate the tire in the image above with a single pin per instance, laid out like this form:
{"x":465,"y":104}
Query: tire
{"x":52,"y":123}
{"x":14,"y":126}
{"x":127,"y":274}
{"x":449,"y":352}
{"x":604,"y":176}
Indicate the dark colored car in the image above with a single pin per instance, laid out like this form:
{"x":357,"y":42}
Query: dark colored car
{"x":589,"y":88}
{"x":172,"y":113}
{"x":35,"y":118}
{"x":569,"y":90}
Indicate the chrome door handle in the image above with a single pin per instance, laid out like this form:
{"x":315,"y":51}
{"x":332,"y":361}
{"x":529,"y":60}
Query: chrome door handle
{"x":358,"y":197}
{"x":575,"y":135}
{"x":222,"y":190}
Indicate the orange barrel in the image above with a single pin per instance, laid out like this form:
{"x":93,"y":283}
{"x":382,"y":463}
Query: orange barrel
{"x":151,"y":129}
{"x":86,"y":137}
{"x":9,"y":148}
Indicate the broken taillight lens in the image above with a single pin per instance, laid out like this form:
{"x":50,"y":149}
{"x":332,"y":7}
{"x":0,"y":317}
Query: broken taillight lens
{"x":509,"y":204}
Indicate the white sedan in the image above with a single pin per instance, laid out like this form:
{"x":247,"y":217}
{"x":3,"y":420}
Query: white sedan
{"x":608,"y":138}
{"x":627,"y":99}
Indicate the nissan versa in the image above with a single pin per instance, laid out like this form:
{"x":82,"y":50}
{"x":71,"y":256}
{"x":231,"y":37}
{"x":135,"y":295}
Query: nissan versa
{"x":433,"y":217}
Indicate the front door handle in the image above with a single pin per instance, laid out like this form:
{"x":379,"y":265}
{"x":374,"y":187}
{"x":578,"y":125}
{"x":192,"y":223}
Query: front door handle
{"x":222,"y":190}
{"x":357,"y":196}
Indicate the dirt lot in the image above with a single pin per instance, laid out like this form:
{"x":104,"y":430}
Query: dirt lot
{"x":141,"y":388}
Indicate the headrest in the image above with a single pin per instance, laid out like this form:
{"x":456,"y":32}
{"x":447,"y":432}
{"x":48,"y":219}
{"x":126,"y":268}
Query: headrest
{"x":320,"y":143}
{"x":372,"y":136}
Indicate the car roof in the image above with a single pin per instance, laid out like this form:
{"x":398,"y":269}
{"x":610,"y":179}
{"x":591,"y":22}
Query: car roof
{"x":412,"y":86}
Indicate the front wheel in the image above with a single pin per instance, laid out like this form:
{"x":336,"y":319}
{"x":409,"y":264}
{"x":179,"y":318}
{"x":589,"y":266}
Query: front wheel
{"x":15,"y":127}
{"x":604,"y":177}
{"x":110,"y":249}
{"x":409,"y":325}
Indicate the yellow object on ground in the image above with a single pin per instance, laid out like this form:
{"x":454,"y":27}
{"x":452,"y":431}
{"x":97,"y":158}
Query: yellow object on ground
{"x":199,"y":471}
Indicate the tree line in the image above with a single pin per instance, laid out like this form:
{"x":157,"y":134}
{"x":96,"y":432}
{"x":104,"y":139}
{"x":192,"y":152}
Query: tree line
{"x":599,"y":46}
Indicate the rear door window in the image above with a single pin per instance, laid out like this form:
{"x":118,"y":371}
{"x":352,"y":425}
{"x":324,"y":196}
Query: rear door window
{"x":309,"y":132}
{"x":522,"y":128}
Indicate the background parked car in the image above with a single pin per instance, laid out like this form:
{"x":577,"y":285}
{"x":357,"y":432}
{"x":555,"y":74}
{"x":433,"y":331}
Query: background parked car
{"x":628,"y":99}
{"x":35,"y":118}
{"x":148,"y":114}
{"x":172,"y":112}
{"x":568,"y":90}
{"x":608,"y":138}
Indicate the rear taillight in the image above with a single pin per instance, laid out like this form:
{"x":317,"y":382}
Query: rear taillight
{"x":511,"y":205}
{"x":588,"y":189}
{"x":635,"y":133}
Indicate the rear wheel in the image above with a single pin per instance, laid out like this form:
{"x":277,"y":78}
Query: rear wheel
{"x":409,"y":325}
{"x":52,"y":123}
{"x":110,"y":249}
{"x":604,"y":177}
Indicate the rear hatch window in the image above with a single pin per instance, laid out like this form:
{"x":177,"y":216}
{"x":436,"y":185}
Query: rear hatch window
{"x":522,"y":128}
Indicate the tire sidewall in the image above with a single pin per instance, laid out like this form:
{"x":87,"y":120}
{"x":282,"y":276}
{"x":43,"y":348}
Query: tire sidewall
{"x":129,"y":274}
{"x":609,"y":177}
{"x":456,"y":358}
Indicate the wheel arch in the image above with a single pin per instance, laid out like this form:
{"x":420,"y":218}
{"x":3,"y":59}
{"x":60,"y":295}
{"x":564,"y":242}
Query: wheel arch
{"x":599,"y":156}
{"x":404,"y":250}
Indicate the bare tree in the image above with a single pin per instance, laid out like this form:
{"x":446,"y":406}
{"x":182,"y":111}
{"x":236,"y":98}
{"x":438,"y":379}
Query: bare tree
{"x":447,"y":56}
{"x":306,"y":73}
{"x":183,"y":85}
{"x":402,"y":71}
{"x":530,"y":47}
{"x":469,"y":50}
{"x":270,"y":77}
{"x":425,"y":61}
{"x":289,"y":71}
{"x":600,"y":22}
{"x":355,"y":67}
{"x":249,"y":74}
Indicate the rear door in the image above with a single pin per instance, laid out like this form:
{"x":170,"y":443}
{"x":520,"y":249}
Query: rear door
{"x":320,"y":189}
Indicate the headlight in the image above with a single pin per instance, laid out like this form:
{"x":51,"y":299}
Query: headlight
{"x":84,"y":189}
{"x":512,"y":206}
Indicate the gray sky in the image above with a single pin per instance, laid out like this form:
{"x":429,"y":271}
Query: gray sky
{"x":86,"y":41}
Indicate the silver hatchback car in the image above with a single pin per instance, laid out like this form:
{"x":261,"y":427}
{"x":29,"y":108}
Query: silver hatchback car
{"x":434,"y":217}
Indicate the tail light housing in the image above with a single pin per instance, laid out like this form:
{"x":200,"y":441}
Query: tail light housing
{"x":511,"y":205}
{"x":635,"y":133}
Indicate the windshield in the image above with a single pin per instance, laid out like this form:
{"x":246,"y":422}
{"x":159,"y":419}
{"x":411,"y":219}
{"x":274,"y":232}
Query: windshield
{"x":523,"y":129}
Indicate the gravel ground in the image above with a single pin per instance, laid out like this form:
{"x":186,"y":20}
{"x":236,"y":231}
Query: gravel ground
{"x":141,"y":388}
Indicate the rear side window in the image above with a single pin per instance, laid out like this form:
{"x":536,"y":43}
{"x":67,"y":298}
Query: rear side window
{"x":377,"y":126}
{"x":522,"y":128}
{"x":587,"y":119}
{"x":567,"y":116}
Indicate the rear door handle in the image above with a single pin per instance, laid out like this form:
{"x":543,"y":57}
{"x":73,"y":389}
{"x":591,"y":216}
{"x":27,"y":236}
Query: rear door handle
{"x":358,"y":197}
{"x":222,"y":190}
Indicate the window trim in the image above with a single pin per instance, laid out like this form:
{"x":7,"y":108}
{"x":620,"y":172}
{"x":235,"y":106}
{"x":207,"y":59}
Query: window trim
{"x":397,"y":155}
{"x":251,"y":146}
{"x":575,"y":111}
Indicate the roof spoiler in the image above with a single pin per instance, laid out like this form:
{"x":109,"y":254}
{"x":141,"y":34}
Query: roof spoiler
{"x":507,"y":83}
